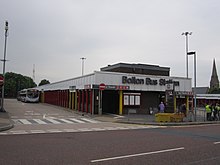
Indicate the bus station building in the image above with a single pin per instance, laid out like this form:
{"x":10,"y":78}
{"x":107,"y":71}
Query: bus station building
{"x":118,"y":88}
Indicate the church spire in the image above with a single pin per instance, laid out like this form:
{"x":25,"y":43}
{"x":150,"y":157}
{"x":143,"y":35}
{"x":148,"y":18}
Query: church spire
{"x":214,"y":83}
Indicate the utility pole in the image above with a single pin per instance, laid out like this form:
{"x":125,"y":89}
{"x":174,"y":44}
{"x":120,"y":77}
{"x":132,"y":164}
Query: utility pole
{"x":4,"y":60}
{"x":83,"y":58}
{"x":187,"y":48}
{"x":34,"y":72}
{"x":194,"y":92}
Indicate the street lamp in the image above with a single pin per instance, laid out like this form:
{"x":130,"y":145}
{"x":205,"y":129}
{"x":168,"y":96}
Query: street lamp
{"x":186,"y":34}
{"x":194,"y":92}
{"x":4,"y":60}
{"x":83,"y":58}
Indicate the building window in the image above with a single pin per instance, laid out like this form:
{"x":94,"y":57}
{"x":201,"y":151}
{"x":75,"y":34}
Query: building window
{"x":126,"y":100}
{"x":137,"y":100}
{"x":132,"y":99}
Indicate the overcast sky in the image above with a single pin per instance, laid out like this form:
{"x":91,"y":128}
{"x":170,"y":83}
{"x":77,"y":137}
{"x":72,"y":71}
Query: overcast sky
{"x":54,"y":34}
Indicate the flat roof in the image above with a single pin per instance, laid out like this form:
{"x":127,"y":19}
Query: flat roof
{"x":137,"y":66}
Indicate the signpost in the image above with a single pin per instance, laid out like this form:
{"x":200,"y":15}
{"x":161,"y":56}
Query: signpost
{"x":102,"y":86}
{"x":1,"y":81}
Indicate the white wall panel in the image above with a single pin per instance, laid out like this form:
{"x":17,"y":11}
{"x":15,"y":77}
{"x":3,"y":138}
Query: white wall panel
{"x":110,"y":78}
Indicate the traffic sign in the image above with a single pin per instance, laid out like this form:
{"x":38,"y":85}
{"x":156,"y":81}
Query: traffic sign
{"x":102,"y":86}
{"x":1,"y":80}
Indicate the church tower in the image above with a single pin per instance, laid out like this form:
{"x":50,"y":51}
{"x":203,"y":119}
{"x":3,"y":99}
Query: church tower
{"x":214,"y":83}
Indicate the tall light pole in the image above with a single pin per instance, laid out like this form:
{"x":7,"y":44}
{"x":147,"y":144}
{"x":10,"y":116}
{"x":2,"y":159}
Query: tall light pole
{"x":83,"y":58}
{"x":194,"y":92}
{"x":4,"y":60}
{"x":187,"y":47}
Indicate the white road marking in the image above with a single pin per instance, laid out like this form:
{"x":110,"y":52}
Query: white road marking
{"x":49,"y":120}
{"x":122,"y":128}
{"x":3,"y":133}
{"x":216,"y":142}
{"x":76,"y":120}
{"x":53,"y":121}
{"x":66,"y":121}
{"x":84,"y":129}
{"x":118,"y":116}
{"x":111,"y":128}
{"x":145,"y":126}
{"x":136,"y":127}
{"x":19,"y":132}
{"x":70,"y":130}
{"x":40,"y":121}
{"x":135,"y":155}
{"x":24,"y":121}
{"x":37,"y":131}
{"x":98,"y":129}
{"x":89,"y":120}
{"x":54,"y":130}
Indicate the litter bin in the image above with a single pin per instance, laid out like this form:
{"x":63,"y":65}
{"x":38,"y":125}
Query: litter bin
{"x":163,"y":117}
{"x":177,"y":117}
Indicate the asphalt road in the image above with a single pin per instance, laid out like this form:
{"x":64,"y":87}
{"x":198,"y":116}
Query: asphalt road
{"x":177,"y":145}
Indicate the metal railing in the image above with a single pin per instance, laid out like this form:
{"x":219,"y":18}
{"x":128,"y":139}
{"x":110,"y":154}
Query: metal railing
{"x":200,"y":115}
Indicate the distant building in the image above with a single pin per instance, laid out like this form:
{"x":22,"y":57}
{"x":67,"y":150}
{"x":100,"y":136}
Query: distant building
{"x":214,"y":83}
{"x":203,"y":97}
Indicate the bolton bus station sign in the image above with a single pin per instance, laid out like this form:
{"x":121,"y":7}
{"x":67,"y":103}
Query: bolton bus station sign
{"x":148,"y":81}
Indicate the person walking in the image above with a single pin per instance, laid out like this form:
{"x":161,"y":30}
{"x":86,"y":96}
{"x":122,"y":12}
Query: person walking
{"x":215,"y":112}
{"x":161,"y":107}
{"x":208,"y":112}
{"x":183,"y":109}
{"x":217,"y":107}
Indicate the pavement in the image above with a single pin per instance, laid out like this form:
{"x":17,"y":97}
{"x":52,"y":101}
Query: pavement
{"x":150,"y":120}
{"x":6,"y":122}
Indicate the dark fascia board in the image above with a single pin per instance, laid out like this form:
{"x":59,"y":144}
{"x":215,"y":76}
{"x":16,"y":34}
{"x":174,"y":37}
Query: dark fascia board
{"x":201,"y":90}
{"x":138,"y":66}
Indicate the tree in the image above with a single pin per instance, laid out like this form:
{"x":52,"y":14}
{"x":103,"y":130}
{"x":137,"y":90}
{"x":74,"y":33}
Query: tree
{"x":15,"y":82}
{"x":214,"y":91}
{"x":44,"y":82}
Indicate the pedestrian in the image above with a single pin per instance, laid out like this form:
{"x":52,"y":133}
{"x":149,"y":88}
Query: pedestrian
{"x":161,"y":107}
{"x":218,"y":110}
{"x":183,"y":109}
{"x":215,"y":112}
{"x":208,"y":112}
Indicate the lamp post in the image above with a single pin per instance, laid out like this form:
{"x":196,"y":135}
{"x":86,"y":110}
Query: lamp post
{"x":187,"y":47}
{"x":194,"y":92}
{"x":4,"y":60}
{"x":83,"y":58}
